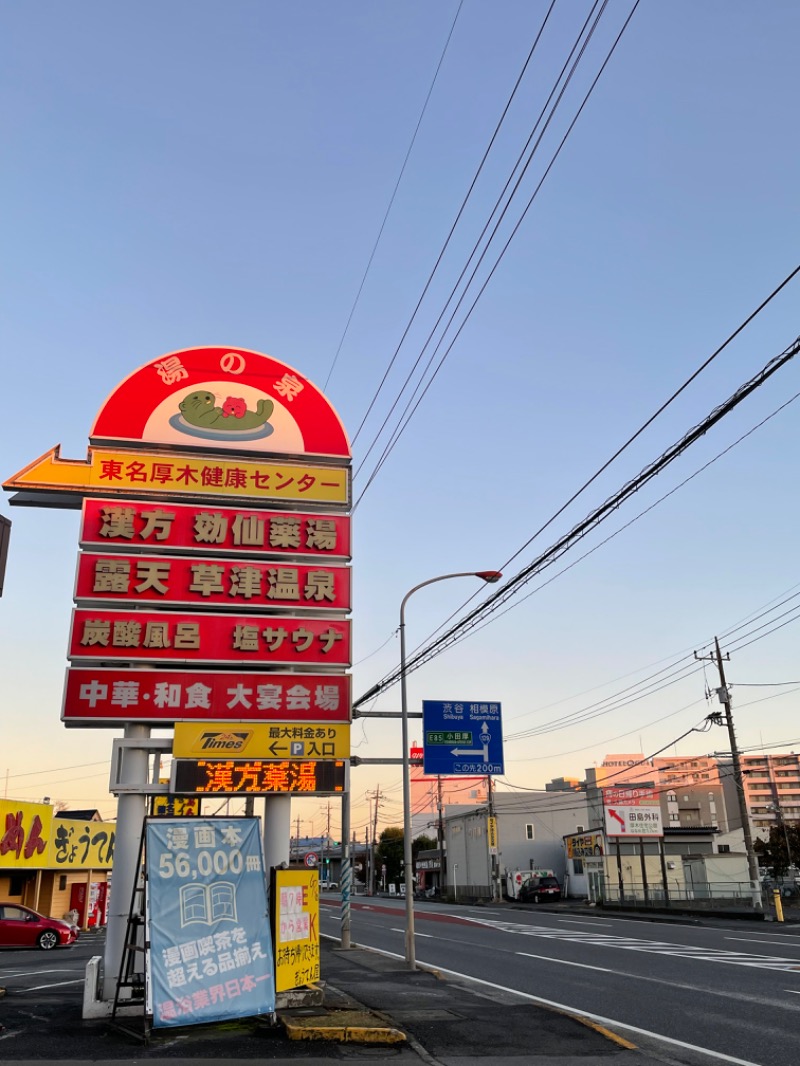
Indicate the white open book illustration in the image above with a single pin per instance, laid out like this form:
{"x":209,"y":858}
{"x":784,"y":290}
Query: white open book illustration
{"x":208,"y":904}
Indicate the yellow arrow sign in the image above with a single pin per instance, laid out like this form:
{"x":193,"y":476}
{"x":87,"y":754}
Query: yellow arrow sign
{"x":261,"y":740}
{"x":120,"y":472}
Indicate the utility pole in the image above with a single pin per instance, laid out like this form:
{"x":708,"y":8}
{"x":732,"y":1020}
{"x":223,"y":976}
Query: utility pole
{"x":325,"y":859}
{"x":440,"y":836}
{"x":725,"y":699}
{"x":492,"y":858}
{"x":372,"y":834}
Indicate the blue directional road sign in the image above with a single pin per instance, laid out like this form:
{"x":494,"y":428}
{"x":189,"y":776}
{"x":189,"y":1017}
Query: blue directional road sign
{"x":461,"y":737}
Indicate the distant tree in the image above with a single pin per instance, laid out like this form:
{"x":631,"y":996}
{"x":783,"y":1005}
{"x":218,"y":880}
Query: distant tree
{"x":423,"y":843}
{"x":773,"y":854}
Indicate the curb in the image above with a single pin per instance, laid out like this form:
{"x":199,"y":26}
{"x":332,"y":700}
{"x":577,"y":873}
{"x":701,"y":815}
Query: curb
{"x":343,"y":1027}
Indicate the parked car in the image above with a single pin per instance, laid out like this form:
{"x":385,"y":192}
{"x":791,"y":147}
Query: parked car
{"x":21,"y":927}
{"x":539,"y":889}
{"x":328,"y":886}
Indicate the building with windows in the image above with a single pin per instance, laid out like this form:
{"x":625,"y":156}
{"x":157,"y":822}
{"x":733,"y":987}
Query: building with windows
{"x":771,"y":789}
{"x":690,"y":788}
{"x":531,"y":827}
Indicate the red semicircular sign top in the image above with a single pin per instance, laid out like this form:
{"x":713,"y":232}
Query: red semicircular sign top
{"x":222,"y":399}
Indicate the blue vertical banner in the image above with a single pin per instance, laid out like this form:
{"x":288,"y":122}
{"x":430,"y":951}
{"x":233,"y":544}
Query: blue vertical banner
{"x":210,"y":956}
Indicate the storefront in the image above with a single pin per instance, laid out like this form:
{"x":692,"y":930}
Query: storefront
{"x":55,"y":864}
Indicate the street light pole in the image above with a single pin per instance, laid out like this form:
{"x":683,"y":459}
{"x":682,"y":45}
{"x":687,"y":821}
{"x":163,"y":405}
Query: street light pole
{"x":489,"y":576}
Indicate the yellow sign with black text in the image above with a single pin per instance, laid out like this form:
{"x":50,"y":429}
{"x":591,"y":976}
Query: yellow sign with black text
{"x":32,"y":838}
{"x":296,"y":933}
{"x":114,"y":472}
{"x":491,"y":833}
{"x":261,"y":740}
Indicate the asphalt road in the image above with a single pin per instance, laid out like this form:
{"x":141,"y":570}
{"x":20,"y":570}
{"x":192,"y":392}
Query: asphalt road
{"x":729,"y":988}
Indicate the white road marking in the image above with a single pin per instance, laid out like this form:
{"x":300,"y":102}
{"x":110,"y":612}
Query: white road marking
{"x":581,"y":965}
{"x":751,"y":940}
{"x":653,"y":947}
{"x":55,"y":984}
{"x":583,"y":921}
{"x":428,"y":936}
{"x":611,"y":1022}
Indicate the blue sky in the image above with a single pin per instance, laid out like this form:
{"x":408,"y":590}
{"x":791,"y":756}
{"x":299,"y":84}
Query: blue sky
{"x":201,"y":173}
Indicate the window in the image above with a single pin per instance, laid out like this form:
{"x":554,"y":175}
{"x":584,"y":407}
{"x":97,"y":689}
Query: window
{"x":15,"y":884}
{"x":62,"y":882}
{"x":577,"y":866}
{"x":724,"y":849}
{"x":529,"y":831}
{"x":580,"y":829}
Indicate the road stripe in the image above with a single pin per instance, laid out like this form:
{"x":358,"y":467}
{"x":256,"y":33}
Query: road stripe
{"x":55,"y":984}
{"x":583,"y":921}
{"x":750,"y":940}
{"x":563,"y":962}
{"x":652,"y":947}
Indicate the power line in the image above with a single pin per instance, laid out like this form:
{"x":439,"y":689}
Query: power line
{"x":394,"y":194}
{"x":598,"y":515}
{"x":455,"y":222}
{"x":408,"y":416}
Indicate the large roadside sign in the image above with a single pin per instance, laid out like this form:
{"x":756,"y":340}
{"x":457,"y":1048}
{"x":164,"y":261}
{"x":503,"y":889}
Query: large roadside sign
{"x":633,"y":812}
{"x":462,"y":737}
{"x":212,"y":588}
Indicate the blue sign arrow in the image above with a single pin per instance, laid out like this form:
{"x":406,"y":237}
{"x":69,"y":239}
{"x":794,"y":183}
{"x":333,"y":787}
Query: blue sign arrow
{"x":462,"y":737}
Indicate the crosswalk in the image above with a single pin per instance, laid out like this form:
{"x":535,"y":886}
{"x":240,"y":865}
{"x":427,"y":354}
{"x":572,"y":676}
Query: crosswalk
{"x":651,"y":947}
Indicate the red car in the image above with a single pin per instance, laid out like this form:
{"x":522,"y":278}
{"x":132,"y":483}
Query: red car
{"x":20,"y":927}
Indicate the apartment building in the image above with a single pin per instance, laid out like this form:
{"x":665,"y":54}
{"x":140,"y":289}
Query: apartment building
{"x":771,"y":788}
{"x":690,"y":788}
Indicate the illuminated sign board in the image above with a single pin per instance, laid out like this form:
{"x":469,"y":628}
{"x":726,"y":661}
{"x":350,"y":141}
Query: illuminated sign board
{"x":134,"y":525}
{"x":144,"y":636}
{"x":195,"y":582}
{"x":99,"y":696}
{"x":277,"y":740}
{"x":232,"y":777}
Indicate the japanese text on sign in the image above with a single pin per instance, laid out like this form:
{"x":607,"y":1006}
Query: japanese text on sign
{"x":144,"y":636}
{"x":257,"y":776}
{"x":174,"y":695}
{"x":210,"y":582}
{"x":210,"y":943}
{"x":182,"y":527}
{"x":165,"y":475}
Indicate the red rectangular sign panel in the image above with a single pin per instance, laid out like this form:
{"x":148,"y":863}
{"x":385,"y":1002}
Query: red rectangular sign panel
{"x":161,"y":697}
{"x":136,"y":525}
{"x":194,"y":581}
{"x":248,"y":640}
